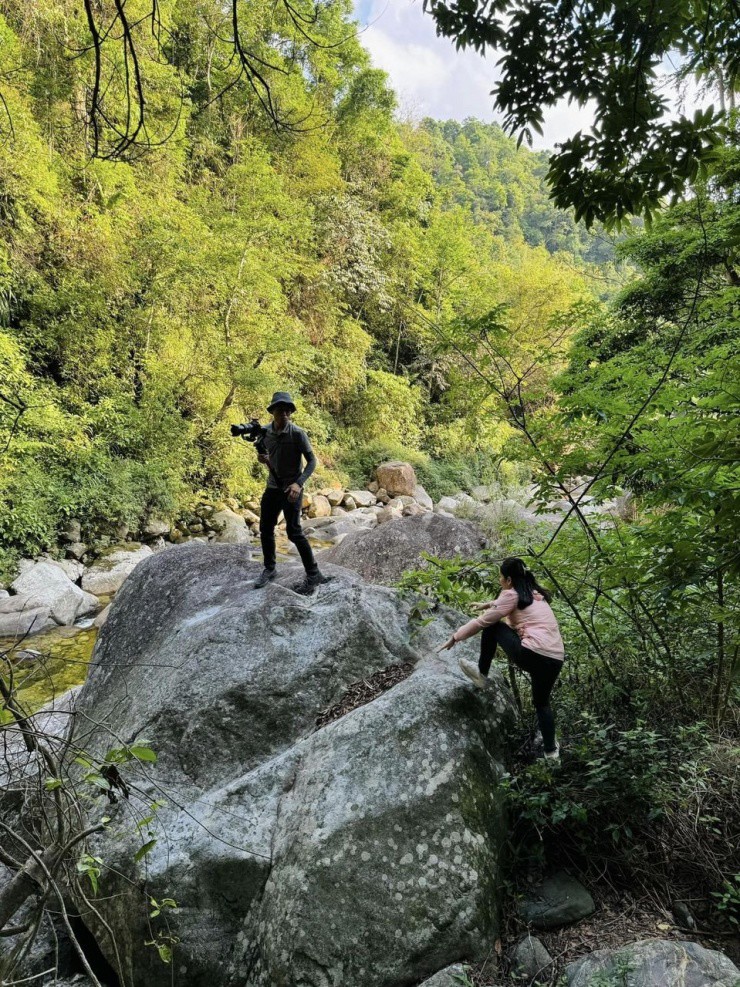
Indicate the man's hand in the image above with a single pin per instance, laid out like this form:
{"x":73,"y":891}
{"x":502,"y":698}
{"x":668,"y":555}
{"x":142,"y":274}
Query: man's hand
{"x":293,"y":492}
{"x":446,"y":646}
{"x":264,"y":459}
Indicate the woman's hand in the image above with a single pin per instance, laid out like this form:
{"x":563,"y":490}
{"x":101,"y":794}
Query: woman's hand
{"x":478,"y":607}
{"x":446,"y":646}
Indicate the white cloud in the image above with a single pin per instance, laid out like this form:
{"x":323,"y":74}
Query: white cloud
{"x":433,"y":79}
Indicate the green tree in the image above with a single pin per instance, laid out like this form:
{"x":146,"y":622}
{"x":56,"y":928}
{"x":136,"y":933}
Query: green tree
{"x":611,"y":56}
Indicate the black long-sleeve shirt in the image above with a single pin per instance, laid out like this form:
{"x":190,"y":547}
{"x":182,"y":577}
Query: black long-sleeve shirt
{"x":285,"y":450}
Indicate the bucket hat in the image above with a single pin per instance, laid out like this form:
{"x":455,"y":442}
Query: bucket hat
{"x":281,"y":397}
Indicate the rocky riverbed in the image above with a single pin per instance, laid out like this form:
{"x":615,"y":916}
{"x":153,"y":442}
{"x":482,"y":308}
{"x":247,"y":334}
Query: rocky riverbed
{"x":71,"y":584}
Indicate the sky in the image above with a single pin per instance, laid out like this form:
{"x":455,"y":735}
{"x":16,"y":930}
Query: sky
{"x":432,"y":79}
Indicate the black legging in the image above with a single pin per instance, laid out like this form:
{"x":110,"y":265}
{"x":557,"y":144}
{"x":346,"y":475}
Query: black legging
{"x":543,"y":672}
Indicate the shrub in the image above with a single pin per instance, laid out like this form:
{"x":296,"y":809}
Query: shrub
{"x":648,"y":805}
{"x":388,"y":408}
{"x":439,"y":477}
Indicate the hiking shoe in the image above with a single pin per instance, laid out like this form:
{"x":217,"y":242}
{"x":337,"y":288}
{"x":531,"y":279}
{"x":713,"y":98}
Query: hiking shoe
{"x":553,"y":755}
{"x":472,"y":672}
{"x":266,"y":577}
{"x":310,"y":583}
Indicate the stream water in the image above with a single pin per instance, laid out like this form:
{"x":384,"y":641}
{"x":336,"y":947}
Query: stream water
{"x":48,"y":664}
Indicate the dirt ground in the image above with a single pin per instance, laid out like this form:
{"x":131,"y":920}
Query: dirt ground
{"x":619,"y":919}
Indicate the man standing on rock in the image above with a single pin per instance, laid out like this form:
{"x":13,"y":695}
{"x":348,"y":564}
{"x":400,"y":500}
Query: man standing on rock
{"x":286,"y":445}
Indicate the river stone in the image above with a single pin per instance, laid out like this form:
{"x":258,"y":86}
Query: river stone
{"x":77,"y":550}
{"x":654,"y":963}
{"x":451,"y":976}
{"x":156,"y":529}
{"x":397,"y":478}
{"x":362,"y":498}
{"x":320,"y":507}
{"x":312,"y":524}
{"x":17,"y":621}
{"x":422,"y":498}
{"x":347,"y":524}
{"x":448,"y":504}
{"x":71,"y":568}
{"x":231,"y":527}
{"x":558,"y":900}
{"x":683,"y":915}
{"x":385,"y":553}
{"x":72,"y":531}
{"x":530,"y":961}
{"x":335,"y":497}
{"x":46,"y":585}
{"x":297,"y":856}
{"x":348,"y":503}
{"x":108,"y":573}
{"x":101,"y":618}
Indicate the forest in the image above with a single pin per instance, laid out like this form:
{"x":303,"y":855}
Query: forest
{"x":429,"y":291}
{"x":146,"y":304}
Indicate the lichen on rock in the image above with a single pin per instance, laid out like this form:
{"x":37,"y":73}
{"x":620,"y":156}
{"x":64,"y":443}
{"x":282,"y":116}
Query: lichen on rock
{"x":367,"y":851}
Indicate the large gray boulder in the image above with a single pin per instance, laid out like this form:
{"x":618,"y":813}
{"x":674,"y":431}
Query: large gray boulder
{"x":365,"y":852}
{"x":654,"y":963}
{"x":108,"y":573}
{"x":44,"y":587}
{"x":385,"y":553}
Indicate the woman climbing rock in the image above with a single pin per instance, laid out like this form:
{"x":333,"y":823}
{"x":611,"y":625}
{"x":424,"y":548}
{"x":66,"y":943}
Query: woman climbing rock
{"x":521,"y":622}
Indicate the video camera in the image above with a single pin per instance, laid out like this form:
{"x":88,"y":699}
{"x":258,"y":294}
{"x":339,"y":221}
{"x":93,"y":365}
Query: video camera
{"x":252,"y":432}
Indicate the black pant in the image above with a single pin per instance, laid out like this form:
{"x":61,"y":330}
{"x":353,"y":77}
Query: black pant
{"x":543,"y":672}
{"x":273,"y":502}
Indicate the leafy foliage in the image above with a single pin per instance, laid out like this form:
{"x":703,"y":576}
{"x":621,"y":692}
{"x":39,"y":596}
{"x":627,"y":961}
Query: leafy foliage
{"x":610,"y":56}
{"x":145,"y":304}
{"x":646,"y":591}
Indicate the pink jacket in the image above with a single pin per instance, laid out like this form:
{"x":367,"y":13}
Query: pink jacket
{"x":536,"y":624}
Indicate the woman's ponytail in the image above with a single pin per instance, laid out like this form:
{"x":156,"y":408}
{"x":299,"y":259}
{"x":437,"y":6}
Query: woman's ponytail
{"x":523,"y":581}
